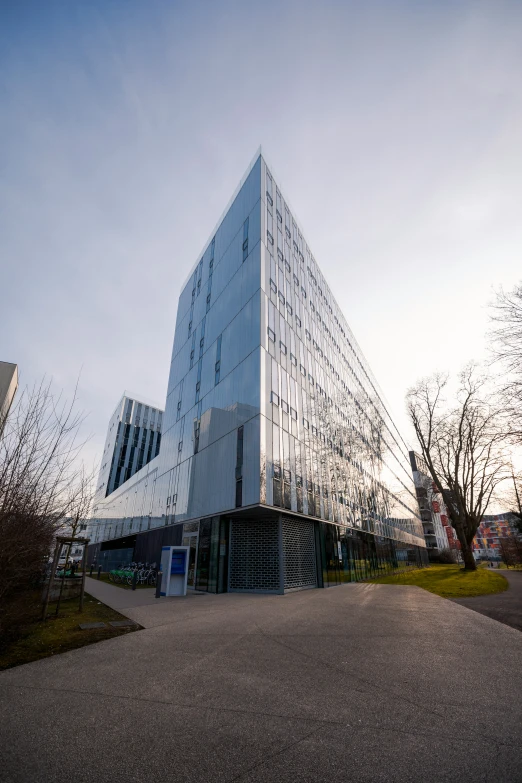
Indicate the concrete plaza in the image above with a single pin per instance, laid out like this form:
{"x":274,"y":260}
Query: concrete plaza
{"x":356,"y":683}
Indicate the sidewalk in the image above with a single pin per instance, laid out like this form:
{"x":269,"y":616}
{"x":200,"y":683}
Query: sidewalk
{"x":505,"y":607}
{"x":133,"y":603}
{"x":364,"y":683}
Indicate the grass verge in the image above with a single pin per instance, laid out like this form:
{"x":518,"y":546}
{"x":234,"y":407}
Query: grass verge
{"x":59,"y":634}
{"x":450,"y":581}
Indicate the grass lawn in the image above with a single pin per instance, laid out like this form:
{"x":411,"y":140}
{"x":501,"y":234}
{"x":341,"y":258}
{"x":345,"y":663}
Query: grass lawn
{"x":105,"y":578}
{"x":59,"y":634}
{"x":450,"y":581}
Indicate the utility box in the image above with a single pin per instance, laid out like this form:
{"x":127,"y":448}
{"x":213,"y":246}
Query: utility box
{"x":174,"y":570}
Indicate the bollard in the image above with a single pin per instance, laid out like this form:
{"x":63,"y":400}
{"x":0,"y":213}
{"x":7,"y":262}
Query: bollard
{"x":99,"y":571}
{"x":134,"y":580}
{"x":158,"y":583}
{"x":92,"y":566}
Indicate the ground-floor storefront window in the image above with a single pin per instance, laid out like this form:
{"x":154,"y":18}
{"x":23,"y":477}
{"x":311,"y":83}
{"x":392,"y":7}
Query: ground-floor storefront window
{"x":348,"y":555}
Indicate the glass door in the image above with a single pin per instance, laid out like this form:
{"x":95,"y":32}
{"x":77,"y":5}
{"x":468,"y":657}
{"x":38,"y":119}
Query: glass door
{"x":192,"y":542}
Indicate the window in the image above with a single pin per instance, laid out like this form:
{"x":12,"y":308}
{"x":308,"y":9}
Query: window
{"x":208,"y":302}
{"x":196,"y":435}
{"x":190,"y":327}
{"x":274,"y":398}
{"x":308,"y":335}
{"x":269,"y":185}
{"x":298,"y":320}
{"x":284,"y":406}
{"x":293,"y":413}
{"x":281,"y":298}
{"x":245,"y":239}
{"x":239,"y":493}
{"x":217,"y":366}
{"x":239,"y":467}
{"x":289,"y":308}
{"x":296,"y":281}
{"x":303,"y":370}
{"x":283,"y":347}
{"x":293,"y":359}
{"x":306,"y":424}
{"x":287,"y":266}
{"x":180,"y":445}
{"x":271,"y":334}
{"x":273,"y":286}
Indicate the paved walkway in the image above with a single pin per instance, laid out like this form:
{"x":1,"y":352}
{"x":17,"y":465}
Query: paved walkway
{"x":361,"y":683}
{"x":140,"y":605}
{"x":504,"y":607}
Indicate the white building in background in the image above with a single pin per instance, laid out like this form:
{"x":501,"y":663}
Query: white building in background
{"x":438,"y":531}
{"x":8,"y":387}
{"x":133,"y":440}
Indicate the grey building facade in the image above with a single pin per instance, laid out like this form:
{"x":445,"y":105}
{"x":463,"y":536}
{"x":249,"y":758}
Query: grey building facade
{"x":279,"y":464}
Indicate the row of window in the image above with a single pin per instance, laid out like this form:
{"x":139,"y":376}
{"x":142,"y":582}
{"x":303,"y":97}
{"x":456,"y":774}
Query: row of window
{"x":298,"y":246}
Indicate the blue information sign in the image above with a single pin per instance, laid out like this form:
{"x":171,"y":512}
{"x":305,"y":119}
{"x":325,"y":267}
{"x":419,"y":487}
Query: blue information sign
{"x":178,"y":562}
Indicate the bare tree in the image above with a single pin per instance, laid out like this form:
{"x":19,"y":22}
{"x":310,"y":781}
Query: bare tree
{"x":79,"y":502}
{"x":464,"y":446}
{"x":513,"y":499}
{"x":506,"y":343}
{"x":39,"y":472}
{"x":511,"y":550}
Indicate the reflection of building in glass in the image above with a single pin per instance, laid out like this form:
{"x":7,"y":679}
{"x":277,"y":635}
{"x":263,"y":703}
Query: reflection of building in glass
{"x":494,"y":530}
{"x":133,"y":439}
{"x":438,"y":532}
{"x":279,"y":464}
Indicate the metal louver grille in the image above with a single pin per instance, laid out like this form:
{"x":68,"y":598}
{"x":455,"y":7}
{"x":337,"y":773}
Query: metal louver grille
{"x":299,"y":554}
{"x":254,"y":556}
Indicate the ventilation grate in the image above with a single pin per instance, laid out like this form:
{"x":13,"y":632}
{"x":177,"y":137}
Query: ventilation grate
{"x":299,"y":554}
{"x":254,"y":556}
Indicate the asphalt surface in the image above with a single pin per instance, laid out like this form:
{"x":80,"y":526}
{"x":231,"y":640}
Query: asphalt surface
{"x":505,"y":607}
{"x":372,"y":683}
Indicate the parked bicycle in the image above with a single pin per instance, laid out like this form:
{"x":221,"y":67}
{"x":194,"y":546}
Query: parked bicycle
{"x":145,"y":574}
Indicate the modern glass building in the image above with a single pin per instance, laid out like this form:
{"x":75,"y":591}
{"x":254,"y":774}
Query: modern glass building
{"x":279,"y":464}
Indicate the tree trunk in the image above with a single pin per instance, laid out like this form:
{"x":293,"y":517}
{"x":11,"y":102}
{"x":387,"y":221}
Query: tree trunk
{"x":467,"y":555}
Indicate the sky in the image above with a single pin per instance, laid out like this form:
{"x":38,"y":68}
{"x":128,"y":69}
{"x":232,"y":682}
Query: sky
{"x":394,"y":129}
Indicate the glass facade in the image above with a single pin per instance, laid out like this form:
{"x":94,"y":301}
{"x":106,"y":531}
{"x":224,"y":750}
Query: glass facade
{"x":276,"y":443}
